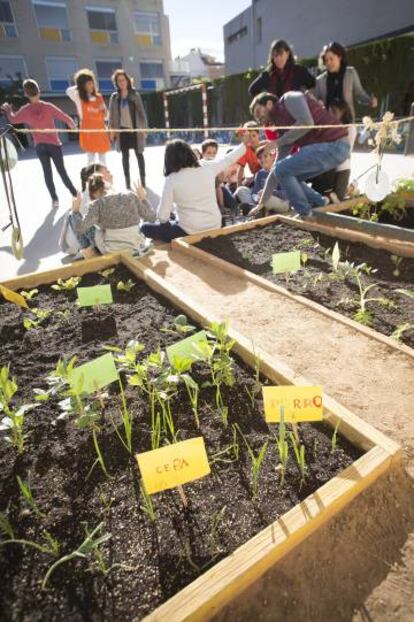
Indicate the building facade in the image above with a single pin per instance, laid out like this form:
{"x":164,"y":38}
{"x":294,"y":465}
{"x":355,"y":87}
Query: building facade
{"x":49,"y":40}
{"x":308,"y":25}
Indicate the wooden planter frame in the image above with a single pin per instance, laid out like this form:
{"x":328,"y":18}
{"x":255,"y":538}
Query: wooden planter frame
{"x":205,"y":596}
{"x":186,"y":244}
{"x":332,"y":216}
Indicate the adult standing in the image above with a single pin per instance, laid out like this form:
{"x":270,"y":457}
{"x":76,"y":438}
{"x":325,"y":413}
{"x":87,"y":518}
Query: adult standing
{"x":92,"y":114}
{"x":126,"y":112}
{"x":340,"y":82}
{"x":321,"y":148}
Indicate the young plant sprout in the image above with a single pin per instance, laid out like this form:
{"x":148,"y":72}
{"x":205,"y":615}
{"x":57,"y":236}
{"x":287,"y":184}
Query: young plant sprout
{"x":256,"y":461}
{"x":126,"y":286}
{"x":396,"y":260}
{"x":181,"y":326}
{"x":13,"y":421}
{"x":126,"y":440}
{"x":282,"y":447}
{"x":40,"y":314}
{"x":215,"y":521}
{"x":68,"y":285}
{"x":299,"y":451}
{"x":51,"y":546}
{"x":180,"y":368}
{"x":88,"y":546}
{"x":334,"y":438}
{"x":148,"y":507}
{"x":29,"y":295}
{"x":257,"y":386}
{"x":27,"y":493}
{"x":107,"y":273}
{"x":400,"y":330}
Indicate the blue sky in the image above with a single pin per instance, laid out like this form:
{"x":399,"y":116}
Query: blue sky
{"x":199,"y":23}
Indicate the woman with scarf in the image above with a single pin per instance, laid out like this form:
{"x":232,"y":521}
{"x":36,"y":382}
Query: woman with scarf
{"x":281,"y":75}
{"x":340,"y":82}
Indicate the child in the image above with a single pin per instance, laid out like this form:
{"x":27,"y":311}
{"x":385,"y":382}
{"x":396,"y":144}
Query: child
{"x":38,"y":115}
{"x":117,"y":214}
{"x":209,"y":149}
{"x":335,"y":182}
{"x":249,"y":157}
{"x":252,"y":195}
{"x":92,"y":114}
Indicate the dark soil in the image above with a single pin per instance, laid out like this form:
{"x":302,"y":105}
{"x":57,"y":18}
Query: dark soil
{"x":253,"y":249}
{"x":149,"y":562}
{"x":406,"y":222}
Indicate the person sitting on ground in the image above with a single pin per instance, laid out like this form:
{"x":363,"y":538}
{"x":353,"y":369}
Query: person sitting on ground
{"x":321,"y":149}
{"x":68,"y":241}
{"x":191,"y":186}
{"x":41,"y":115}
{"x":117,"y":214}
{"x":249,"y":157}
{"x":251,"y":196}
{"x":335,"y":183}
{"x":209,"y":149}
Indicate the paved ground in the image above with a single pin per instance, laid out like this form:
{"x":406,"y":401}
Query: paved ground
{"x":41,"y":226}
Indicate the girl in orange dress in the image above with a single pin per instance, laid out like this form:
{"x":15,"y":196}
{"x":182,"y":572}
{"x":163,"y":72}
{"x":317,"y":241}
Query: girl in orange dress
{"x":92,"y":114}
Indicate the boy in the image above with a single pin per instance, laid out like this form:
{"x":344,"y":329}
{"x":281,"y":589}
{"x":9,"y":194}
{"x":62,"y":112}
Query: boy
{"x":209,"y":149}
{"x":40,"y":115}
{"x":249,"y":157}
{"x":275,"y":202}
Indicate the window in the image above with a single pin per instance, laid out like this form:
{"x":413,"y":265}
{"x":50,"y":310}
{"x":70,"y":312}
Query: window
{"x":52,"y":20}
{"x":237,"y":35}
{"x":104,"y":71}
{"x":12,"y":68}
{"x":152,"y":76}
{"x":60,"y":72}
{"x":7,"y":25}
{"x":102,"y":25}
{"x":258,"y":30}
{"x":147,"y":28}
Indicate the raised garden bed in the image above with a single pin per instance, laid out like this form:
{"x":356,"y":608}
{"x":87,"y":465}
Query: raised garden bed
{"x":391,"y":220}
{"x":250,"y":247}
{"x":172,"y":567}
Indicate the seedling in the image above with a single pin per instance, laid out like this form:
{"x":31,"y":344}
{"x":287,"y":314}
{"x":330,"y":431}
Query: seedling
{"x":125,"y":286}
{"x":299,"y":451}
{"x":181,"y":326}
{"x":127,"y":423}
{"x":334,"y":438}
{"x":51,"y":546}
{"x":180,"y":368}
{"x":92,"y":542}
{"x":396,"y":260}
{"x":400,"y":330}
{"x":40,"y":314}
{"x":29,"y":295}
{"x":107,"y":273}
{"x":257,"y":386}
{"x":215,"y":522}
{"x":256,"y":461}
{"x":26,"y":491}
{"x":282,"y":447}
{"x":406,"y":292}
{"x":65,"y":315}
{"x":148,"y":507}
{"x":13,"y":421}
{"x":68,"y":285}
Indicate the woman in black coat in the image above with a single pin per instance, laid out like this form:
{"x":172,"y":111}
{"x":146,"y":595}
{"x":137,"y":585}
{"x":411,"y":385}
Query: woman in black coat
{"x":282,"y":74}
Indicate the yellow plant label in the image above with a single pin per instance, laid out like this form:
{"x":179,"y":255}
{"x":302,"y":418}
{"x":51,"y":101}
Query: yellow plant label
{"x":299,"y":403}
{"x":173,"y":465}
{"x":11,"y":296}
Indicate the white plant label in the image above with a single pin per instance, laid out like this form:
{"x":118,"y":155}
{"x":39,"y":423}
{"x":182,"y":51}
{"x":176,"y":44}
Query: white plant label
{"x":377,"y":186}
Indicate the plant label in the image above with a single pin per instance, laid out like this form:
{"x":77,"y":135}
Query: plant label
{"x":299,"y":403}
{"x":14,"y":297}
{"x":286,"y":262}
{"x":173,"y":465}
{"x":97,"y":295}
{"x":94,"y":375}
{"x":186,"y":348}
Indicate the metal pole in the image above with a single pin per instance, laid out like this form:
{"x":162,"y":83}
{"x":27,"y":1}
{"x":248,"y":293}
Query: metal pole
{"x":205,"y":110}
{"x":166,"y":115}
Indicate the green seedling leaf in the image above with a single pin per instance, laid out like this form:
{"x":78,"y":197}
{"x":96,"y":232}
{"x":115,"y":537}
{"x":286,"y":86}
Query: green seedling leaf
{"x":69,"y":284}
{"x":30,"y":294}
{"x":97,"y":295}
{"x":406,"y":292}
{"x":107,"y":273}
{"x":336,"y":256}
{"x":125,"y":287}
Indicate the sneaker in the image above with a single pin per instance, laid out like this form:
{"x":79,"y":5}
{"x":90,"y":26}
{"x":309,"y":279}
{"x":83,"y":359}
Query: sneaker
{"x":144,"y":248}
{"x":78,"y":257}
{"x":245,"y":208}
{"x":55,"y":204}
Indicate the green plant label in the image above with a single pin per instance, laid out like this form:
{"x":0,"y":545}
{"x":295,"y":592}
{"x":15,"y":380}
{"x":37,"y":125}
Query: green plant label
{"x":97,"y":295}
{"x":286,"y":262}
{"x":94,"y":375}
{"x":186,"y":348}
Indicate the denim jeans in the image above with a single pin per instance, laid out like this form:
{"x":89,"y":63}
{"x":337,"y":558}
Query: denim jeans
{"x":163,"y":231}
{"x":46,"y":154}
{"x":309,"y":161}
{"x":85,"y":239}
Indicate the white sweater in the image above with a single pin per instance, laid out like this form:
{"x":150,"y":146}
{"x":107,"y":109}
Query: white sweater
{"x":194,"y":193}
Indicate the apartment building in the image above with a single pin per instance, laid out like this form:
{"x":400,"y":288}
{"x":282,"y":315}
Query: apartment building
{"x":308,"y":25}
{"x":50,"y":40}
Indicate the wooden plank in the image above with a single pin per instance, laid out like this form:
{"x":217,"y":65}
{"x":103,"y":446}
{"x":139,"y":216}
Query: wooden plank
{"x":358,"y":431}
{"x":77,"y":268}
{"x":343,"y":205}
{"x":241,"y":226}
{"x":221,"y":264}
{"x":203,"y":598}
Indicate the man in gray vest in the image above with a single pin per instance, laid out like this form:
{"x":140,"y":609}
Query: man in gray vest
{"x":320,"y":148}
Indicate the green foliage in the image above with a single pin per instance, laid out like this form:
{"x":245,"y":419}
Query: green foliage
{"x":29,"y":295}
{"x":396,"y":260}
{"x":299,"y":451}
{"x":401,"y":329}
{"x":215,"y":521}
{"x":147,"y":506}
{"x":282,"y":447}
{"x":256,"y":461}
{"x":126,"y":286}
{"x":107,"y":273}
{"x":13,"y":421}
{"x":68,"y":285}
{"x":40,"y":315}
{"x":27,"y":493}
{"x":334,"y":438}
